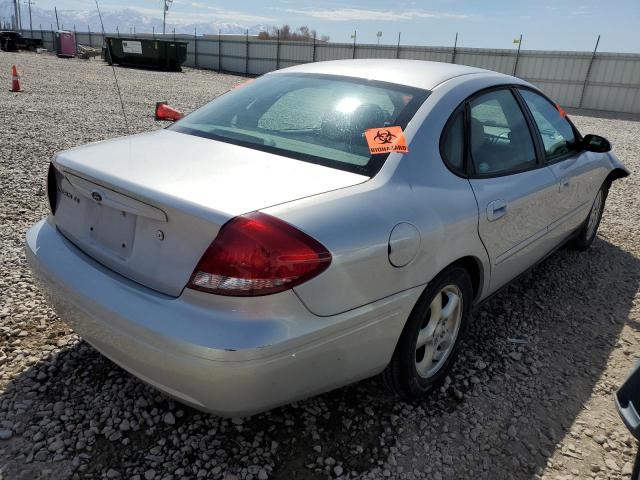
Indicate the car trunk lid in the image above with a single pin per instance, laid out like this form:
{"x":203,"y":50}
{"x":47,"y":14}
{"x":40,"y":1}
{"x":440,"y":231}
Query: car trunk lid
{"x":148,"y":206}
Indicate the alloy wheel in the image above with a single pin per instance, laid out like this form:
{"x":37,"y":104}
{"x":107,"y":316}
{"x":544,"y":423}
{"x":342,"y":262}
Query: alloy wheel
{"x":439,"y":331}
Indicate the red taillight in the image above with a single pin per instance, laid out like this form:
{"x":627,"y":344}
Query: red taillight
{"x":257,"y":254}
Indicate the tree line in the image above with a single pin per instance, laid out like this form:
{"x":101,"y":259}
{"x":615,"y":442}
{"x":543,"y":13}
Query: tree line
{"x":285,"y":32}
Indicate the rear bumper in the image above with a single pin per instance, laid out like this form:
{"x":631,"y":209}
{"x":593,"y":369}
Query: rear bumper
{"x":229,"y":356}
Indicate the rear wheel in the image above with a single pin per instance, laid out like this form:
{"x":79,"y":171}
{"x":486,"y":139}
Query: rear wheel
{"x":589,"y":229}
{"x":430,"y":340}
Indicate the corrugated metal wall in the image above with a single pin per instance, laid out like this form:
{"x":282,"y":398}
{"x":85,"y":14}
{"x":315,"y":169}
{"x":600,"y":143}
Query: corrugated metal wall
{"x":613,"y":81}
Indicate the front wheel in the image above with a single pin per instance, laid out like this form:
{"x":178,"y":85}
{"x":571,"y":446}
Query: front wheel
{"x":587,"y":233}
{"x":431,"y":338}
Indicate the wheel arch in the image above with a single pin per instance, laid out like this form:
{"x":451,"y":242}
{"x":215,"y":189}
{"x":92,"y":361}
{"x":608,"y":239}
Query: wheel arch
{"x":475,"y":269}
{"x":616,"y":174}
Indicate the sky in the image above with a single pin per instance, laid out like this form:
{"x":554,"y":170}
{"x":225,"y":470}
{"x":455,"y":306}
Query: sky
{"x":544,"y":24}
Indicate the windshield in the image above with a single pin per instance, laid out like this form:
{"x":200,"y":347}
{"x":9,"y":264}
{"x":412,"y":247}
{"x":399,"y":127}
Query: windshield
{"x":315,"y":118}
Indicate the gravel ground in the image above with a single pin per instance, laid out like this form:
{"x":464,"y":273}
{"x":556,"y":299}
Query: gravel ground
{"x":530,"y":397}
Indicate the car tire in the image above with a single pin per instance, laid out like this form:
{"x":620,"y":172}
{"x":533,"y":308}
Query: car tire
{"x":416,"y":369}
{"x":589,"y":229}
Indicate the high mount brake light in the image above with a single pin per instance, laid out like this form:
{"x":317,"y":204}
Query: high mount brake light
{"x":257,"y":254}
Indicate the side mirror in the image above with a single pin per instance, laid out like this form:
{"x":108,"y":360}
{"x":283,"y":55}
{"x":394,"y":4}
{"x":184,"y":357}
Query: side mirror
{"x":165,"y":112}
{"x":596,"y":143}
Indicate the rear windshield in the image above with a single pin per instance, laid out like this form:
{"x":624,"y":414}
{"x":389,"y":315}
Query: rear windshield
{"x":315,"y":118}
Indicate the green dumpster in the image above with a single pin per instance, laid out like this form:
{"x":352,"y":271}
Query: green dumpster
{"x":147,"y":52}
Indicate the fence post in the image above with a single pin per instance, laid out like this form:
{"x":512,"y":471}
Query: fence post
{"x":586,"y":77}
{"x":195,"y":46}
{"x":219,"y":50}
{"x":134,"y":31}
{"x":153,"y":31}
{"x":355,"y":33}
{"x":455,"y":47}
{"x":89,"y":32}
{"x":118,"y":30}
{"x":278,"y":52}
{"x":515,"y":64}
{"x":246,"y":52}
{"x":398,"y":46}
{"x":313,"y":52}
{"x":174,"y":34}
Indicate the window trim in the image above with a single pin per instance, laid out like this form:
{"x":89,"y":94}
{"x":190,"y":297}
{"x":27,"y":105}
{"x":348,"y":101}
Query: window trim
{"x":578,"y":137}
{"x":468,"y":166}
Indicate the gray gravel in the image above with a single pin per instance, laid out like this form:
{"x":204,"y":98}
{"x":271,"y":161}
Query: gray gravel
{"x":530,"y":397}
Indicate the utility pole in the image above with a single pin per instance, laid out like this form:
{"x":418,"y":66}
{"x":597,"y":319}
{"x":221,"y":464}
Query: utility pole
{"x":30,"y":19}
{"x":57,"y":23}
{"x":16,"y":14}
{"x":19,"y":17}
{"x":167,"y":4}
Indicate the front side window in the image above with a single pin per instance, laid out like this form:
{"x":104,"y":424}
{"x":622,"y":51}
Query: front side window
{"x":556,"y":131}
{"x":317,"y":118}
{"x":499,"y":141}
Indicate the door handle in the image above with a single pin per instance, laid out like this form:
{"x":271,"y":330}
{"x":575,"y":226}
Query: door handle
{"x":564,"y":182}
{"x":496,"y":209}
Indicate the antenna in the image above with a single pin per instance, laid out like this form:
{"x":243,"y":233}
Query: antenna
{"x":115,"y":77}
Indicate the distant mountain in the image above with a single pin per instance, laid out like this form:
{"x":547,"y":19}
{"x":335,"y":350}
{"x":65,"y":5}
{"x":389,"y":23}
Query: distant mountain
{"x":125,"y":20}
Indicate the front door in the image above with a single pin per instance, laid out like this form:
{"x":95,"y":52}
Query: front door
{"x":573,"y":167}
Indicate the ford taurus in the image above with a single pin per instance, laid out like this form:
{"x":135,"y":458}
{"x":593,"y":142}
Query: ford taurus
{"x":319,"y":225}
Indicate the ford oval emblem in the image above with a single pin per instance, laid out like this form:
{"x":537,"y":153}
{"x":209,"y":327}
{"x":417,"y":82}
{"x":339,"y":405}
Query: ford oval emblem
{"x":96,"y":196}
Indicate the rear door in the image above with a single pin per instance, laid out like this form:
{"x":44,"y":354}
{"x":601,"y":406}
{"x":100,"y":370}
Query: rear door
{"x":572,"y":166}
{"x":514,"y":191}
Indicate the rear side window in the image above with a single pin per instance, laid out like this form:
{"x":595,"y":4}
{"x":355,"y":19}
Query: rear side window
{"x":315,"y":118}
{"x":453,"y":142}
{"x":500,"y":141}
{"x":556,"y":131}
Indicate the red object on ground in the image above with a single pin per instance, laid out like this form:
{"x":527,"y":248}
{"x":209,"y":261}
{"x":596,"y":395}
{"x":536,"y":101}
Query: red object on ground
{"x":562,"y":111}
{"x":65,"y":44}
{"x":15,"y":81}
{"x":165,"y":112}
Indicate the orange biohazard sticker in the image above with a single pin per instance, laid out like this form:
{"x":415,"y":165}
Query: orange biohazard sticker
{"x":385,"y":140}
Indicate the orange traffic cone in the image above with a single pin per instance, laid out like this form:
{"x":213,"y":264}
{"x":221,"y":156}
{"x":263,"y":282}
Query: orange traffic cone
{"x":165,"y":112}
{"x":15,"y":82}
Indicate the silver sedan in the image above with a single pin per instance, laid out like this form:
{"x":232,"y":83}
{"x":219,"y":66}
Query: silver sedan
{"x":320,"y":225}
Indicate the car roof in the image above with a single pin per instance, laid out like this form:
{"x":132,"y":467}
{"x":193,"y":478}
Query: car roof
{"x":414,"y":73}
